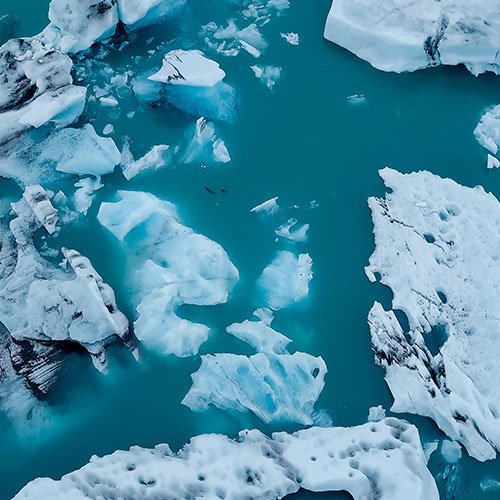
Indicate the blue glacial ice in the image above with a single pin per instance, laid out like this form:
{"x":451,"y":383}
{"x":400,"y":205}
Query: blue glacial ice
{"x":406,"y":35}
{"x":437,"y":248}
{"x":173,"y":266}
{"x":382,"y":460}
{"x":286,"y":279}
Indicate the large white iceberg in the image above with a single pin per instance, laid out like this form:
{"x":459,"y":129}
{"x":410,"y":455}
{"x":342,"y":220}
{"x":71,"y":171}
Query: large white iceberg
{"x":382,"y":460}
{"x":437,"y":248}
{"x":286,"y":279}
{"x":173,"y":266}
{"x":406,"y":35}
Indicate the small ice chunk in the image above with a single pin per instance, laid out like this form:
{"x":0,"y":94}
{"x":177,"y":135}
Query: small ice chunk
{"x":322,"y":418}
{"x":108,"y":101}
{"x":250,"y":49}
{"x":269,"y":207}
{"x":286,"y":280}
{"x":357,"y":99}
{"x":221,"y":154}
{"x":85,"y":194}
{"x":298,"y":234}
{"x":157,"y":157}
{"x":291,"y":38}
{"x":267,"y":74}
{"x":376,"y":413}
{"x":188,"y":67}
{"x":430,"y":448}
{"x":135,"y":14}
{"x":108,"y":129}
{"x":451,"y":451}
{"x":260,"y":335}
{"x":493,"y":162}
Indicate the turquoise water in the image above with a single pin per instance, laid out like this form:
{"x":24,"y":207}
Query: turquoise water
{"x":302,"y":142}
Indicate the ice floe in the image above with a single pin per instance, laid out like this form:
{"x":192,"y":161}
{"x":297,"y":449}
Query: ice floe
{"x":437,"y":249}
{"x":173,"y":266}
{"x":381,"y":460}
{"x":286,"y":279}
{"x":188,"y":67}
{"x":85,"y":193}
{"x":406,"y":35}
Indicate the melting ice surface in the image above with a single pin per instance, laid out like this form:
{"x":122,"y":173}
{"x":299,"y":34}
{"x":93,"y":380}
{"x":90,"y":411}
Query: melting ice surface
{"x":215,"y":148}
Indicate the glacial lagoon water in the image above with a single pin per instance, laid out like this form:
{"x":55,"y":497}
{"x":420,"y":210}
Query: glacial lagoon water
{"x":303,"y":141}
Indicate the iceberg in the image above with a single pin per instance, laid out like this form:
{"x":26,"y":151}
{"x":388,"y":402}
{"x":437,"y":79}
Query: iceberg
{"x":36,"y":88}
{"x":407,"y":35}
{"x":437,"y":250}
{"x":135,"y":14}
{"x":487,"y":131}
{"x":188,"y":67}
{"x":85,"y":193}
{"x":173,"y":266}
{"x":381,"y":460}
{"x":204,"y":146}
{"x":68,"y":305}
{"x":157,"y":157}
{"x":286,"y":279}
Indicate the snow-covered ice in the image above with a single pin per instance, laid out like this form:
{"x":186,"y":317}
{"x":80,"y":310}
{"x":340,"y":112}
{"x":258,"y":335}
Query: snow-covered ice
{"x":188,"y":67}
{"x":173,"y":266}
{"x":406,"y":35}
{"x":437,"y":248}
{"x":381,"y":460}
{"x":286,"y":279}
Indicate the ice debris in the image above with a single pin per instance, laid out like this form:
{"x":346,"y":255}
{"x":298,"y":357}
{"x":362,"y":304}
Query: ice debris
{"x":291,"y":38}
{"x":85,"y":193}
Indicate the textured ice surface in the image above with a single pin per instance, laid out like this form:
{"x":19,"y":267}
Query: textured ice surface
{"x":37,"y":158}
{"x":204,"y":146}
{"x":188,"y":67}
{"x":286,"y":279}
{"x":173,"y":266}
{"x":157,"y":157}
{"x":487,"y":131}
{"x":381,"y":460}
{"x":83,"y":22}
{"x":135,"y":13}
{"x":437,"y":248}
{"x":276,"y":387}
{"x":36,"y":87}
{"x":406,"y":35}
{"x":70,"y":304}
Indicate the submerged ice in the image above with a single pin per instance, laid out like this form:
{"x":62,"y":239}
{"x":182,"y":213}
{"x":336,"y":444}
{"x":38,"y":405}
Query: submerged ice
{"x":437,"y":249}
{"x":172,"y":266}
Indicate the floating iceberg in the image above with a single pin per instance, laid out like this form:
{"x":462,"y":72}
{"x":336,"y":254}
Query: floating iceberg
{"x":286,"y":280}
{"x":37,"y":157}
{"x":67,"y":306}
{"x":437,"y":248}
{"x":157,"y":157}
{"x":85,"y":193}
{"x":173,"y":266}
{"x":36,"y":88}
{"x":406,"y":35}
{"x":381,"y":460}
{"x":188,"y":67}
{"x":134,"y":13}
